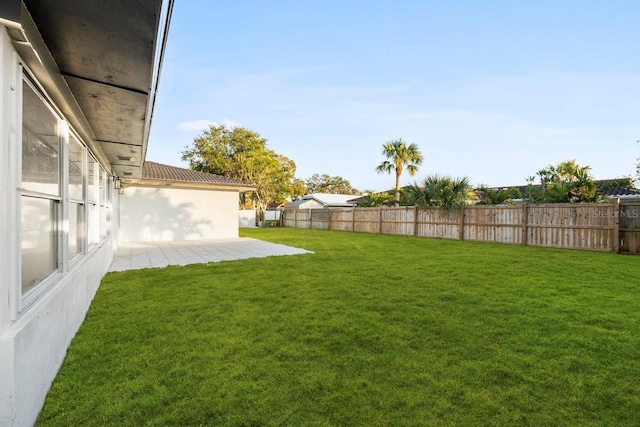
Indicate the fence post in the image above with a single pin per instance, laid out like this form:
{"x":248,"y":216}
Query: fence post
{"x":329,"y":225}
{"x":353,"y":219}
{"x":415,"y":220}
{"x":525,"y":219}
{"x":380,"y":221}
{"x":461,"y":222}
{"x":295,"y":218}
{"x":616,"y":225}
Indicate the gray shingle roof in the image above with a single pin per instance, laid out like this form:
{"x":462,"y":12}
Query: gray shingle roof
{"x":152,"y":170}
{"x":607,"y":189}
{"x":604,"y":186}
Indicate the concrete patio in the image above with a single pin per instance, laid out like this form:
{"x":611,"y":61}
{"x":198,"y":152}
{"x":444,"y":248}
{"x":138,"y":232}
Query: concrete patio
{"x":133,"y":256}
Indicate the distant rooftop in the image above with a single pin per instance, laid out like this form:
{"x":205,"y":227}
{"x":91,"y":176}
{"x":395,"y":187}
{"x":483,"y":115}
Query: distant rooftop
{"x":327,"y":199}
{"x":606,"y":187}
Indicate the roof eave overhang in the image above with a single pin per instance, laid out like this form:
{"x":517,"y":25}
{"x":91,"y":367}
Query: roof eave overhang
{"x":100,"y":66}
{"x":210,"y":186}
{"x":36,"y":56}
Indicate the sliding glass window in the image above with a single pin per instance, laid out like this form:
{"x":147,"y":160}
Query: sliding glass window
{"x":102,"y":198}
{"x":92,"y":198}
{"x":65,"y":195}
{"x":40,"y":189}
{"x":77,"y":155}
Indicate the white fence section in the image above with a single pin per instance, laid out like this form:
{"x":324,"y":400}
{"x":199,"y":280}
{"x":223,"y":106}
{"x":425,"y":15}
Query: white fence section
{"x":247,"y":218}
{"x":272,"y":214}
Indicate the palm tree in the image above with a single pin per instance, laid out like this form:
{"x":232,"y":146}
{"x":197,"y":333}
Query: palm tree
{"x":446,"y":192}
{"x":373,"y":199}
{"x":400,"y":154}
{"x":567,"y":182}
{"x":499,"y":197}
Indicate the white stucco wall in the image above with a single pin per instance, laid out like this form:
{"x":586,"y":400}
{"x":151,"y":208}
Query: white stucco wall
{"x":165,"y":214}
{"x":33,"y":348}
{"x":34,"y":339}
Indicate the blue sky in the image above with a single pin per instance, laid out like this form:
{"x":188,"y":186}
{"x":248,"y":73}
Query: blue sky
{"x":490,"y":90}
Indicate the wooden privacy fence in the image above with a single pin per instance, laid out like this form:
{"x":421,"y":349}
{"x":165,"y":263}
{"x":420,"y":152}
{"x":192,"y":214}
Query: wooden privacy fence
{"x":630,"y":228}
{"x":592,"y":226}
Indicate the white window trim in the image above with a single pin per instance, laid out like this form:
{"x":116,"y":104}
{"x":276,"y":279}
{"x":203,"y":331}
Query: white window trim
{"x":83,"y":249}
{"x":15,"y":210}
{"x":28,"y":298}
{"x":63,"y":222}
{"x":19,"y":302}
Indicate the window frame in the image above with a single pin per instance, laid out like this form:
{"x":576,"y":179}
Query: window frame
{"x":29,"y":297}
{"x":21,"y":301}
{"x":72,"y":260}
{"x":92,"y":215}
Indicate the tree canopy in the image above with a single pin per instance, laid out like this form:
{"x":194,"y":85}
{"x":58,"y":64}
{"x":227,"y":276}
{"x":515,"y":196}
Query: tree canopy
{"x":566,"y":182}
{"x":236,"y":152}
{"x":443,"y":191}
{"x":329,"y":184}
{"x":504,"y":196}
{"x":398,"y":155}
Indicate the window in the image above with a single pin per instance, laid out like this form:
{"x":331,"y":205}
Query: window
{"x":40,"y":195}
{"x":76,"y":196}
{"x":40,"y":145}
{"x":92,"y":197}
{"x":102,"y":186}
{"x":65,"y":195}
{"x":109,"y":202}
{"x":39,"y":240}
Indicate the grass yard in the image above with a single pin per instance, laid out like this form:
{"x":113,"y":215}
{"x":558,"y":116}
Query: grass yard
{"x":369,"y":330}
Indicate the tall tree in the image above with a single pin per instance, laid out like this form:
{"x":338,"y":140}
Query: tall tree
{"x":298,"y":188}
{"x":243,"y":154}
{"x":400,"y":154}
{"x":329,"y":184}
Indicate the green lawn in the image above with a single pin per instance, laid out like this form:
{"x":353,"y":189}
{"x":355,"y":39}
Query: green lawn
{"x":368,"y":330}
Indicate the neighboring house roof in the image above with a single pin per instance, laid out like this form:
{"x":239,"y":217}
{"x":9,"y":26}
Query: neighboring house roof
{"x":157,"y":174}
{"x":326,"y":199}
{"x":390,"y":192}
{"x":333,"y":199}
{"x":276,"y":205}
{"x":297,"y":203}
{"x":604,"y":186}
{"x":358,"y":199}
{"x":615,"y":190}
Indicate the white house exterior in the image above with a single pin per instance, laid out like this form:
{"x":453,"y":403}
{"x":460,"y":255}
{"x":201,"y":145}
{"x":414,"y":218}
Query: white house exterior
{"x":77,"y":90}
{"x":323,"y":200}
{"x":171,"y":203}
